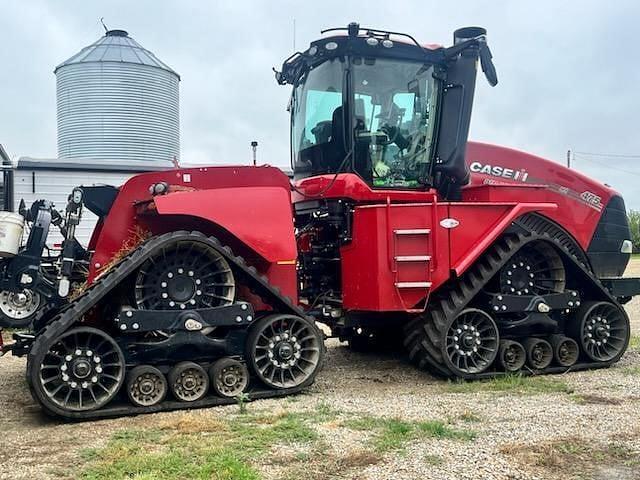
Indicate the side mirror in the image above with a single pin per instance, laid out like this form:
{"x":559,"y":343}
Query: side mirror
{"x":486,"y":62}
{"x":467,"y":37}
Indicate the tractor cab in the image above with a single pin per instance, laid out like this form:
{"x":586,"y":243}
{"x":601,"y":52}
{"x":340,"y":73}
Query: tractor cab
{"x":380,"y":105}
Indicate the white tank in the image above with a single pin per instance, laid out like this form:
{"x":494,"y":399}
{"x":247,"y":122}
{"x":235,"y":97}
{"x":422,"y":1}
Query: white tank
{"x":117,"y":101}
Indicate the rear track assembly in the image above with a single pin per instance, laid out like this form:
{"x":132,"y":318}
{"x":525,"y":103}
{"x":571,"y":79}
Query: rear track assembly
{"x":78,"y":372}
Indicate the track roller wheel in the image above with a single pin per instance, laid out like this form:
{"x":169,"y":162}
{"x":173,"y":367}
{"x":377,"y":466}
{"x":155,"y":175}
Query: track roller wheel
{"x":229,"y":377}
{"x":565,"y":350}
{"x":539,"y":353}
{"x":512,"y":355}
{"x":188,"y":381}
{"x":603,"y":330}
{"x":285,"y":351}
{"x":471,"y":343}
{"x":146,"y":386}
{"x":80,"y":370}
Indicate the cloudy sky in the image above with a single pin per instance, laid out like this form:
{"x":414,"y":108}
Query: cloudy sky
{"x":569,"y":71}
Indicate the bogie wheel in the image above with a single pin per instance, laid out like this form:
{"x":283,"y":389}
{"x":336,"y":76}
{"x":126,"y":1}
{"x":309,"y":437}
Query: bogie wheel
{"x":471,"y":343}
{"x":565,"y":350}
{"x":146,"y":386}
{"x":18,"y":308}
{"x":536,"y":269}
{"x":603,"y":330}
{"x":285,"y":351}
{"x":80,"y":370}
{"x":539,"y":353}
{"x":185,"y":275}
{"x":188,"y":381}
{"x":229,"y":377}
{"x":512,"y":355}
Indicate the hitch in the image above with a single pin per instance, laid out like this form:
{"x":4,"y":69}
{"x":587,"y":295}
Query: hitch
{"x":20,"y":347}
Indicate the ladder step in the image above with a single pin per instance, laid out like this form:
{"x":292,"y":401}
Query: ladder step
{"x":413,"y":284}
{"x":413,"y":258}
{"x":413,"y":231}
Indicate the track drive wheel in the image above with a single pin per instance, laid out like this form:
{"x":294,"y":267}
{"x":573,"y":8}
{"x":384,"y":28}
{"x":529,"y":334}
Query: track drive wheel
{"x":80,"y":370}
{"x":536,"y":269}
{"x":603,"y":330}
{"x":229,"y":377}
{"x":185,"y":275}
{"x":285,"y":351}
{"x":146,"y":386}
{"x":512,"y":355}
{"x":188,"y":382}
{"x":471,"y":344}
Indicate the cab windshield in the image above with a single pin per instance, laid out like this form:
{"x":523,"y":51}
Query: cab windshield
{"x":389,"y":108}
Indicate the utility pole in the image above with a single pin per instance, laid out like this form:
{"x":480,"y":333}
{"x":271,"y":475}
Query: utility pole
{"x":254,"y":147}
{"x":568,"y":158}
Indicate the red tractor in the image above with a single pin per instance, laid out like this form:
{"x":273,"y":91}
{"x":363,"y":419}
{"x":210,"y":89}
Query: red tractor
{"x":206,"y":283}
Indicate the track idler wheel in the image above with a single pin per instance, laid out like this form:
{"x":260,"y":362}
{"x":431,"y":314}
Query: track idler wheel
{"x":146,"y":386}
{"x":80,"y":370}
{"x":565,"y":350}
{"x":285,"y":351}
{"x":229,"y":377}
{"x":539,"y":353}
{"x":512,"y":355}
{"x":188,"y":381}
{"x":471,"y":343}
{"x":603,"y":330}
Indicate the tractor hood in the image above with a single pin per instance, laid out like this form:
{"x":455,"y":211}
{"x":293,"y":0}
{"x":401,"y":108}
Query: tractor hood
{"x":593,"y":213}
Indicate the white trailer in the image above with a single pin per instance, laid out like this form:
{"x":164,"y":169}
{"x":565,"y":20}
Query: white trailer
{"x":54,"y":179}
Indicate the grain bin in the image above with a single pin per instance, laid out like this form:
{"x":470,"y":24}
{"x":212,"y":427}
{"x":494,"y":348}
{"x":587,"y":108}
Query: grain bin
{"x":116,"y":101}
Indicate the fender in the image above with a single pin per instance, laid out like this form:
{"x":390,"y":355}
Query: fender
{"x":260,"y":217}
{"x":472,"y":237}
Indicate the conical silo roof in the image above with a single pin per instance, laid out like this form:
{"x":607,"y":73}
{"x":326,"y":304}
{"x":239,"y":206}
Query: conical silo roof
{"x":117,"y":102}
{"x":116,"y":46}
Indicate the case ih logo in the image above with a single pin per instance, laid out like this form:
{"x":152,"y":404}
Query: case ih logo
{"x":499,"y":171}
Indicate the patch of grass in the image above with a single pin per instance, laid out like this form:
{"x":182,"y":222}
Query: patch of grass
{"x":634,"y":342}
{"x":196,"y":447}
{"x":631,"y":370}
{"x":590,"y":399}
{"x":434,"y":460}
{"x":575,"y":454}
{"x":392,"y":433}
{"x":469,"y":416}
{"x":516,"y":383}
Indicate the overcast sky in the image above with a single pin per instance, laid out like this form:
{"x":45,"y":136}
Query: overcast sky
{"x":569,"y":71}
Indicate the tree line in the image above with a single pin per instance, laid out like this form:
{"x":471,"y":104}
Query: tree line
{"x":634,"y":223}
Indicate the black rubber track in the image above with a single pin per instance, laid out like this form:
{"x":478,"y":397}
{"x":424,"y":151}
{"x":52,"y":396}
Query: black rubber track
{"x":424,"y":335}
{"x":73,"y":313}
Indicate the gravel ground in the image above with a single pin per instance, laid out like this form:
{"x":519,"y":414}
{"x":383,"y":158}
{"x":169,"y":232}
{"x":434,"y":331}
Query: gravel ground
{"x":604,"y":409}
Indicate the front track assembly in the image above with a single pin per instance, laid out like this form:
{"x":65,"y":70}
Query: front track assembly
{"x":530,"y":304}
{"x":164,"y":329}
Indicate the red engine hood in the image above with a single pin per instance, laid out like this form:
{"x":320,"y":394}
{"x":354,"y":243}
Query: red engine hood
{"x":502,"y":172}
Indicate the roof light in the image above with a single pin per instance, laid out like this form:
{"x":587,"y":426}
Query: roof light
{"x":371,"y":41}
{"x":387,"y":43}
{"x":313,"y":50}
{"x":331,"y":45}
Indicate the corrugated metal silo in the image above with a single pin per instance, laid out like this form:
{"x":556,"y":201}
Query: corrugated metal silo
{"x":117,"y":102}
